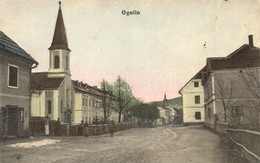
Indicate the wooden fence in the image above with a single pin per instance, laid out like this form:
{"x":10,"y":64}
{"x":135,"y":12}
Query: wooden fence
{"x":58,"y":129}
{"x":248,"y":141}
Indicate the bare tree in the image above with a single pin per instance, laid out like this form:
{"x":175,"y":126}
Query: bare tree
{"x":224,"y":92}
{"x":251,"y":79}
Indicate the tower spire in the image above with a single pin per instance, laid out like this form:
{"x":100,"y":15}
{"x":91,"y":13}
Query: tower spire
{"x":59,"y":40}
{"x":59,"y":5}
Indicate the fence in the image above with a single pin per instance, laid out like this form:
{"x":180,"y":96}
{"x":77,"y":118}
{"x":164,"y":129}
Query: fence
{"x":248,"y":141}
{"x":221,"y":127}
{"x":58,"y":129}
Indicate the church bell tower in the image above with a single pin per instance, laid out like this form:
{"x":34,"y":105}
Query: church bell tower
{"x":59,"y":65}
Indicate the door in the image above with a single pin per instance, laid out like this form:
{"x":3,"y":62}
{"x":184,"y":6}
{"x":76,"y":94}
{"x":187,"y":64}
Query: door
{"x":12,"y":121}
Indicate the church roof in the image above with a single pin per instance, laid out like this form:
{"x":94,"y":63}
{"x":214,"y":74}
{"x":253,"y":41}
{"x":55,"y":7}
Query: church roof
{"x":9,"y":45}
{"x":40,"y":81}
{"x":59,"y":40}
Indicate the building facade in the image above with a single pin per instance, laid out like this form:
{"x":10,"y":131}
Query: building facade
{"x":90,"y":103}
{"x":15,"y":69}
{"x":231,"y":88}
{"x":193,"y":101}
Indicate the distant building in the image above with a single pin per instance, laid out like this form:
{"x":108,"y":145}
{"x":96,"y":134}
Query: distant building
{"x":15,"y":69}
{"x":193,"y":101}
{"x":226,"y":82}
{"x":167,"y":113}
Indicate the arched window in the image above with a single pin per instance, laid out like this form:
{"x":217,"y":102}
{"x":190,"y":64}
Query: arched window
{"x":67,"y":63}
{"x":49,"y":106}
{"x":56,"y":61}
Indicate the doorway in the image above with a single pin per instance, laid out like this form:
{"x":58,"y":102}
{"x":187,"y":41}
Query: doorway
{"x":10,"y":115}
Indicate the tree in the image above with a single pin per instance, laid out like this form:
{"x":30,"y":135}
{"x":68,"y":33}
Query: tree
{"x":125,"y":98}
{"x":224,"y":92}
{"x":107,"y":99}
{"x":251,"y":80}
{"x":146,"y":113}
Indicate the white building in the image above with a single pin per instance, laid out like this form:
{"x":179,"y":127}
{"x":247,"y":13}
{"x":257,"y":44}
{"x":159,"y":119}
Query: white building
{"x":52,"y":90}
{"x":90,"y":103}
{"x":193,"y":100}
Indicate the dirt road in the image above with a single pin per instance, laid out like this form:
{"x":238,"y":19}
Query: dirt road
{"x":164,"y":144}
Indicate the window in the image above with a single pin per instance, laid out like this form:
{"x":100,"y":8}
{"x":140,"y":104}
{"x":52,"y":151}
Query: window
{"x":237,"y":111}
{"x":13,"y":76}
{"x":83,"y":101}
{"x":49,"y":106}
{"x":209,"y":112}
{"x":86,"y":102}
{"x":197,"y":99}
{"x":196,"y":84}
{"x":67,"y":63}
{"x":89,"y":102}
{"x":93,"y":103}
{"x":61,"y":103}
{"x":56,"y":61}
{"x":197,"y":115}
{"x":67,"y":96}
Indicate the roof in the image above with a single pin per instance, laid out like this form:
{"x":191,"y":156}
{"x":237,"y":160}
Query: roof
{"x":8,"y":44}
{"x":59,"y":40}
{"x":244,"y":57}
{"x":85,"y":88}
{"x":40,"y":81}
{"x":197,"y":76}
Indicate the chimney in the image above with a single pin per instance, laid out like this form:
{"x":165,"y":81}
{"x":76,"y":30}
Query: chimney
{"x":250,"y":39}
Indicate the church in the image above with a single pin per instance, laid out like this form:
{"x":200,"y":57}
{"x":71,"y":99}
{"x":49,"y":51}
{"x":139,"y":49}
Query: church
{"x":53,"y":92}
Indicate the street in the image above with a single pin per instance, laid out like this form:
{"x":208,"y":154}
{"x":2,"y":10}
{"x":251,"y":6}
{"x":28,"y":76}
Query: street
{"x":162,"y":144}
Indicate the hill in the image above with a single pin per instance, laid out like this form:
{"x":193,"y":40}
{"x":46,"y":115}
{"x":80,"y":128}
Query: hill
{"x":174,"y":102}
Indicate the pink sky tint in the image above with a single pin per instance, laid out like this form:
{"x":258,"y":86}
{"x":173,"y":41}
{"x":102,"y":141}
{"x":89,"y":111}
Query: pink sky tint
{"x":155,"y":52}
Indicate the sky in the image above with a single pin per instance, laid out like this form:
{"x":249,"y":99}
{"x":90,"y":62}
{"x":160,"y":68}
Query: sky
{"x":156,"y":52}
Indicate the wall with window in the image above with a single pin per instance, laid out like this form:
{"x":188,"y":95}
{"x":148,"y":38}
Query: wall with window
{"x":14,"y":85}
{"x":227,"y":85}
{"x":193,"y":102}
{"x":78,"y":107}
